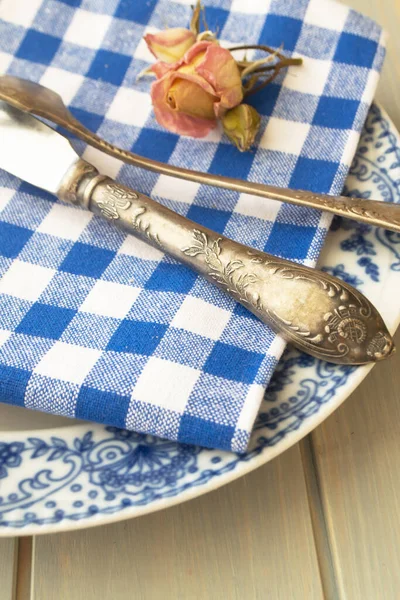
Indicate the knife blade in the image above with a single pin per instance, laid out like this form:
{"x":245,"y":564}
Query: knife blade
{"x":32,"y":151}
{"x":318,"y":313}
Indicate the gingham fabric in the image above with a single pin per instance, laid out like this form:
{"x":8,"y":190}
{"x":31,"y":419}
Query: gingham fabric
{"x":97,"y":325}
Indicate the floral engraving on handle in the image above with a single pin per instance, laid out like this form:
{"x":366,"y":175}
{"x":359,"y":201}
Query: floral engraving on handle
{"x":379,"y":346}
{"x":303,"y":332}
{"x":332,"y":288}
{"x":143,"y":228}
{"x":231,"y":275}
{"x":345,"y":322}
{"x":116,"y":198}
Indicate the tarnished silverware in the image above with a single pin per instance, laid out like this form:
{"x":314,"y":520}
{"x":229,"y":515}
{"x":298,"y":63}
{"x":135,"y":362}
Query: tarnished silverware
{"x":316,"y":312}
{"x":43,"y":102}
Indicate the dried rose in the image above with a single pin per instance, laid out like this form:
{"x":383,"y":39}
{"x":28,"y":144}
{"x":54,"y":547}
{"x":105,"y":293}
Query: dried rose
{"x":241,"y":125}
{"x":191,"y":94}
{"x":170,"y":45}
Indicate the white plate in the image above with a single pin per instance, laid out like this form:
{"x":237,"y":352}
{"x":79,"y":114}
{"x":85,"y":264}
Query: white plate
{"x":58,"y":475}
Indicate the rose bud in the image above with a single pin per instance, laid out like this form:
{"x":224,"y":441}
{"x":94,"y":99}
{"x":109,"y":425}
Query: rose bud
{"x":241,"y":125}
{"x":191,"y":94}
{"x":170,"y":45}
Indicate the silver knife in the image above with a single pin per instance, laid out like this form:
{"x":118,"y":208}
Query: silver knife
{"x":316,"y":312}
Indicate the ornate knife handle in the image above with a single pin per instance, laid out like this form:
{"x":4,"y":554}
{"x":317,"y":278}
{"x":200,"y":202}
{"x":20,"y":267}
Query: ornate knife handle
{"x":316,"y":312}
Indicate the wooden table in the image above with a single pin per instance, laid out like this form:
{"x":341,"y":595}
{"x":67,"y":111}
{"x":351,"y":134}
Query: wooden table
{"x":320,"y":521}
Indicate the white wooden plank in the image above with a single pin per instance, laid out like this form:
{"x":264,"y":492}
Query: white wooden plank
{"x":252,"y":539}
{"x":357,"y":453}
{"x":7,"y":568}
{"x":321,"y":538}
{"x":387,"y":14}
{"x":25,"y":569}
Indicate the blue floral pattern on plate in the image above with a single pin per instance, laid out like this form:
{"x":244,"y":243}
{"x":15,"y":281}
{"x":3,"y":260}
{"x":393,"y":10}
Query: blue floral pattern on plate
{"x":88,"y":474}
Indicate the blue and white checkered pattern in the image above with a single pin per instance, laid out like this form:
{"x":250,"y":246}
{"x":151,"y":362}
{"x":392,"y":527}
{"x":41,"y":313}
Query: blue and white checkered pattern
{"x":95,"y":324}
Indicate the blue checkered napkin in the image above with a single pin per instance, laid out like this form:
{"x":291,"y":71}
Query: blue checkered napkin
{"x":95,"y":324}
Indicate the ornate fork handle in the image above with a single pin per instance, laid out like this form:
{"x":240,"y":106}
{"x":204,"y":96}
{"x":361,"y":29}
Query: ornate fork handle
{"x":318,"y":313}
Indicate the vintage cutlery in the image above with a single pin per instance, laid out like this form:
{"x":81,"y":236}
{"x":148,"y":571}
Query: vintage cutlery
{"x":318,"y":313}
{"x":43,"y":102}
